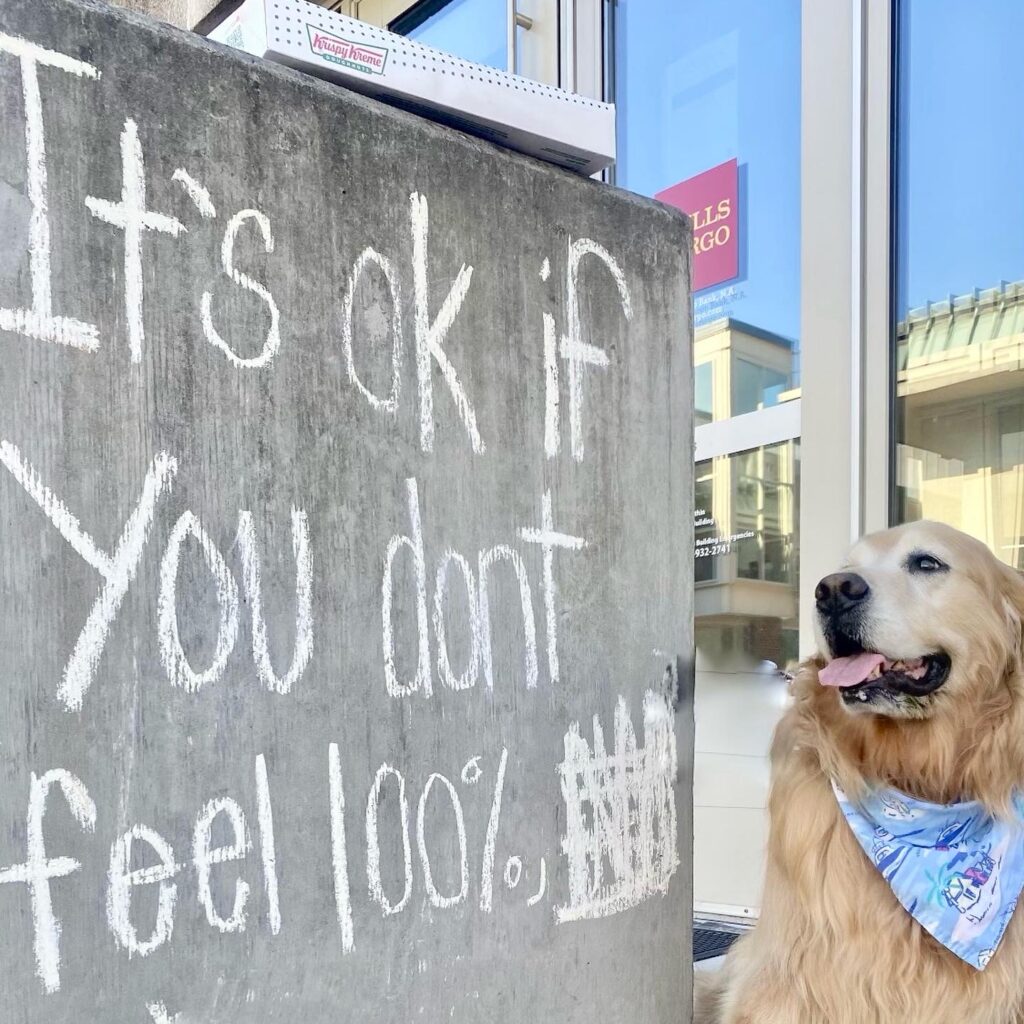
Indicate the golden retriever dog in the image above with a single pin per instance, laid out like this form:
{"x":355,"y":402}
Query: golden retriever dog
{"x":930,"y":622}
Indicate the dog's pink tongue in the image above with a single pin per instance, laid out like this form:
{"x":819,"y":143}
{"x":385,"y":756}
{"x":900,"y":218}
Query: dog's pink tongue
{"x":849,"y":671}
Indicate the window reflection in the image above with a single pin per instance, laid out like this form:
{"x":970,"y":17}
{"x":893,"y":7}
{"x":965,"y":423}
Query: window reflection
{"x":960,"y":394}
{"x":475,"y":30}
{"x":708,"y":96}
{"x":739,"y":368}
{"x":959,"y":421}
{"x":746,"y":630}
{"x":746,"y":522}
{"x":703,"y":394}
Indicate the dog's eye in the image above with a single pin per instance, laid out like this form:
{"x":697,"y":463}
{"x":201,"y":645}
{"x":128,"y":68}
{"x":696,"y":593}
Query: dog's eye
{"x":921,"y":562}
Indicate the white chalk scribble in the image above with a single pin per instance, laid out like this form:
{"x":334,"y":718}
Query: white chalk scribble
{"x":620,"y":813}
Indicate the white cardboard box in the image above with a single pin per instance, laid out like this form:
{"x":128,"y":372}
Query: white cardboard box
{"x":551,"y":124}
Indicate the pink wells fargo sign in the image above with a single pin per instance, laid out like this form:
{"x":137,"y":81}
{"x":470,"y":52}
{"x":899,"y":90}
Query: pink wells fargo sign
{"x":710,"y":199}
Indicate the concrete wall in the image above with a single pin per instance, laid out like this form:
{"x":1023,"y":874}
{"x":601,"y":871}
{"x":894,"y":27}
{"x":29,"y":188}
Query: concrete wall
{"x":183,"y":13}
{"x":345,"y":561}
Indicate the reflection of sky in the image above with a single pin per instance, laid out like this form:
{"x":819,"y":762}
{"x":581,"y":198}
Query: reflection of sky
{"x":961,"y":223}
{"x":472,"y":29}
{"x":700,"y":82}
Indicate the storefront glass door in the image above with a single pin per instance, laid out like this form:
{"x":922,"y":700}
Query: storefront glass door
{"x":708,"y":97}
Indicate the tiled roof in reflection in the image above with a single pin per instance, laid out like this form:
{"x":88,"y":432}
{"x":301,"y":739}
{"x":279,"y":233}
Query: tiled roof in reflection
{"x":960,"y":322}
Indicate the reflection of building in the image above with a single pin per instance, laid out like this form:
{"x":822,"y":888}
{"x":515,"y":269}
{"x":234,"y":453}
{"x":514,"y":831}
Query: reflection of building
{"x":746,"y":504}
{"x":737,"y":369}
{"x":746,"y":555}
{"x":960,"y":381}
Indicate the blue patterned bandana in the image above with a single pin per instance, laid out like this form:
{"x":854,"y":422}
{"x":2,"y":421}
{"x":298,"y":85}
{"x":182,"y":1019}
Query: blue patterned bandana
{"x":957,"y":871}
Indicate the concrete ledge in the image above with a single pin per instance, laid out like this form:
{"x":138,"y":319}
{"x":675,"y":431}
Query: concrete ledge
{"x":189,"y":14}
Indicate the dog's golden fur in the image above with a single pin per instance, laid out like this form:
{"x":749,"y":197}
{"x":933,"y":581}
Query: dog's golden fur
{"x":833,"y":945}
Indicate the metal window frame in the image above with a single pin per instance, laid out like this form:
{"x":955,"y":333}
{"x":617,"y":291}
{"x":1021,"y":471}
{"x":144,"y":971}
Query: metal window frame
{"x":846,"y":281}
{"x":582,"y":56}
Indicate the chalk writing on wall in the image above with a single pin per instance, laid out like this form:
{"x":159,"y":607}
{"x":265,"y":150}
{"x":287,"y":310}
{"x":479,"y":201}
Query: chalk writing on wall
{"x":456,"y":622}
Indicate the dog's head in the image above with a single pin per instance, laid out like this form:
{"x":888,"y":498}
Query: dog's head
{"x":921,"y":618}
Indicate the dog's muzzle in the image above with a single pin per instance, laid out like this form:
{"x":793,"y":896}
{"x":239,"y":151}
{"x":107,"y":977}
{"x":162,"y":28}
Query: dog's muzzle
{"x":840,"y":600}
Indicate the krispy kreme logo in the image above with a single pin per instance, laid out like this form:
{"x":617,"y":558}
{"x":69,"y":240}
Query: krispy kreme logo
{"x":358,"y":56}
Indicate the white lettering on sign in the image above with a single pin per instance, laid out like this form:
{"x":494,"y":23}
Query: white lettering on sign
{"x":574,"y":350}
{"x":414,"y":544}
{"x":121,"y":881}
{"x":339,"y":850}
{"x":205,"y":858}
{"x":486,"y":559}
{"x":253,"y":590}
{"x":268,"y":846}
{"x":619,"y":812}
{"x":435,"y":897}
{"x":175,"y":661}
{"x":38,"y":869}
{"x":491,"y":838}
{"x":131,"y":216}
{"x":158,"y":1011}
{"x":373,"y":876}
{"x":39,"y":322}
{"x":513,"y":872}
{"x":272,"y":342}
{"x":118,"y":570}
{"x":430,"y":336}
{"x":471,"y":771}
{"x":370,"y":255}
{"x":468,"y":677}
{"x":199,"y":194}
{"x":478,"y":625}
{"x":549,"y":538}
{"x":543,"y":888}
{"x":619,"y":843}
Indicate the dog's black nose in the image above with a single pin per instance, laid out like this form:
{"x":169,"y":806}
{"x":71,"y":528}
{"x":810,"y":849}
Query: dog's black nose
{"x":840,"y":592}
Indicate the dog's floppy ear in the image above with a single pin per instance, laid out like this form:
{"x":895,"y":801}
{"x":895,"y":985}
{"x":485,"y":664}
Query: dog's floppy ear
{"x":1013,"y":608}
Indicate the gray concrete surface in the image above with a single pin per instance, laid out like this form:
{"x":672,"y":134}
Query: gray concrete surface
{"x":183,"y":13}
{"x":178,"y":414}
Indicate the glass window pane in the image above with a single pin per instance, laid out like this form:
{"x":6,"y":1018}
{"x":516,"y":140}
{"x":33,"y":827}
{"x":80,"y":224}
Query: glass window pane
{"x":708,"y":95}
{"x":746,"y":521}
{"x":475,"y":30}
{"x":746,"y":623}
{"x":959,"y":347}
{"x":755,"y":387}
{"x":703,"y":392}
